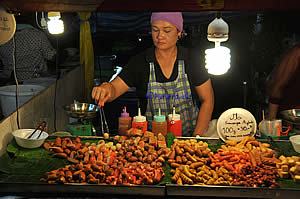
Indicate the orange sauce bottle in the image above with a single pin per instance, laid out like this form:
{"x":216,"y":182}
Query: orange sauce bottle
{"x":159,"y":124}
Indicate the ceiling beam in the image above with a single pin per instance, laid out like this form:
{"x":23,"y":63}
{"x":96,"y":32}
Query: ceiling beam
{"x":198,"y":5}
{"x":148,"y":5}
{"x":50,"y":5}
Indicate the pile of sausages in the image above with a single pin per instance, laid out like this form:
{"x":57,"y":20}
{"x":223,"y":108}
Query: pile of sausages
{"x":252,"y":163}
{"x":245,"y":163}
{"x":189,"y":160}
{"x":139,"y":160}
{"x":258,"y":176}
{"x":132,"y":160}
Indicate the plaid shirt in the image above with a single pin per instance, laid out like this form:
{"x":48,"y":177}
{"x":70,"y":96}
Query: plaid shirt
{"x":32,"y":50}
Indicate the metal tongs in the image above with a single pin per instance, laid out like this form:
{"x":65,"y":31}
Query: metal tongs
{"x":40,"y":127}
{"x":103,"y":120}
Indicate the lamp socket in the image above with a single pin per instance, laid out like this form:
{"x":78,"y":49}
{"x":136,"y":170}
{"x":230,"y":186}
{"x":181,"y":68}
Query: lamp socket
{"x":43,"y":23}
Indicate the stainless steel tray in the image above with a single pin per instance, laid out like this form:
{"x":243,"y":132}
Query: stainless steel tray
{"x":193,"y":191}
{"x":81,"y":190}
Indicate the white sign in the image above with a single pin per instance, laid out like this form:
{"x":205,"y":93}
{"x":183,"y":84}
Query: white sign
{"x":235,"y":124}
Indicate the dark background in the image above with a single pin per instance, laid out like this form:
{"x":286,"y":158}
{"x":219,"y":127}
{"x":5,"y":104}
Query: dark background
{"x":256,"y":39}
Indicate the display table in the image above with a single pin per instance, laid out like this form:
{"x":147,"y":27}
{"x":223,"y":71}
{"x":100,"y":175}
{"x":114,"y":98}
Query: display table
{"x":22,"y":169}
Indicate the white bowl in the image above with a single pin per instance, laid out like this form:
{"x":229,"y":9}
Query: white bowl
{"x":295,"y":140}
{"x":22,"y":134}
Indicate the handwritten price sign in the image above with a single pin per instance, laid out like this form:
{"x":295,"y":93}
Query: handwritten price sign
{"x":236,"y":123}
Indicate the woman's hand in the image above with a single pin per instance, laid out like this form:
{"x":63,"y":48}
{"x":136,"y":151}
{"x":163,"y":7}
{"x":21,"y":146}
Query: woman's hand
{"x":109,"y":91}
{"x":103,"y":93}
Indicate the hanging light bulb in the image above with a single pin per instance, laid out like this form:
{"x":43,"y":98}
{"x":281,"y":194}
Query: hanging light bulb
{"x":217,"y":59}
{"x":55,"y":24}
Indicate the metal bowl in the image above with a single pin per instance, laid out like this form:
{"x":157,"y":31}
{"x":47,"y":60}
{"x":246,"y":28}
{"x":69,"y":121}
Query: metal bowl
{"x":81,"y":110}
{"x":292,"y":115}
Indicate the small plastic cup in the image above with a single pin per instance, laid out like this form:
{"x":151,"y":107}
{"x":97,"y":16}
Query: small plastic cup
{"x":295,"y":140}
{"x":270,"y":127}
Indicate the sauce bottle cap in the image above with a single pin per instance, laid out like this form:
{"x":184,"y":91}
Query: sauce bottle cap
{"x":159,"y":117}
{"x":124,"y":113}
{"x":174,"y":116}
{"x":139,"y":117}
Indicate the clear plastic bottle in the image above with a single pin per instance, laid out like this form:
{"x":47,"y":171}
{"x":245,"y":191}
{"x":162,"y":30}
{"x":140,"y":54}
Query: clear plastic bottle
{"x":159,"y":124}
{"x":174,"y":123}
{"x":124,"y":122}
{"x":140,"y":121}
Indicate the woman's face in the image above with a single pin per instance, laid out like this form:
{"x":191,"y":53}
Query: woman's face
{"x":164,"y":34}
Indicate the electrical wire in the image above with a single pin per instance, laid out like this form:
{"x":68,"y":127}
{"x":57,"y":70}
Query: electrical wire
{"x":56,"y":82}
{"x":16,"y":79}
{"x":36,"y":20}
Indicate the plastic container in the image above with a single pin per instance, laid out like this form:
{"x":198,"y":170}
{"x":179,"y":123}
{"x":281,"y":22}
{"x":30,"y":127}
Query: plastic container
{"x":174,"y":124}
{"x":124,"y":122}
{"x":159,"y":124}
{"x":270,"y":127}
{"x":8,"y":96}
{"x":22,"y":134}
{"x":295,"y":140}
{"x":140,"y":121}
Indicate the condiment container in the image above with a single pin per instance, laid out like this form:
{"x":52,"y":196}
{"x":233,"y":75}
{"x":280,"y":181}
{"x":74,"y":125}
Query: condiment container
{"x":124,"y":122}
{"x":174,"y":123}
{"x":140,"y":121}
{"x":159,"y":124}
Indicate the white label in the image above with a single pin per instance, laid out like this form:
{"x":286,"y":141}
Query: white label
{"x":7,"y":26}
{"x":236,"y":126}
{"x":4,"y":24}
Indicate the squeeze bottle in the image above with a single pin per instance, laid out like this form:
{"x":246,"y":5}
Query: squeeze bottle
{"x":174,"y":123}
{"x":124,"y":122}
{"x":159,"y":124}
{"x":139,"y":121}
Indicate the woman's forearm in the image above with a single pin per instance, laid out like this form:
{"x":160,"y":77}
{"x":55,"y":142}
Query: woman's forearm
{"x":204,"y":117}
{"x":273,"y":109}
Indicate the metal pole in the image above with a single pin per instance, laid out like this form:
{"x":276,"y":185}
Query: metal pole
{"x":245,"y":94}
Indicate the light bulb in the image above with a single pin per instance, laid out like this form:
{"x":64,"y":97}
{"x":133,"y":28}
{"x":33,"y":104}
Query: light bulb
{"x":55,"y":24}
{"x":217,"y":60}
{"x":217,"y":30}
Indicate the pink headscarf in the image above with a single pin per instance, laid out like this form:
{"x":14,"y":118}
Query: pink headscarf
{"x":174,"y":18}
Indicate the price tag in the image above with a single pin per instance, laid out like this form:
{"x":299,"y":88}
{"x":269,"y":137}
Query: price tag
{"x":7,"y":26}
{"x":235,"y":124}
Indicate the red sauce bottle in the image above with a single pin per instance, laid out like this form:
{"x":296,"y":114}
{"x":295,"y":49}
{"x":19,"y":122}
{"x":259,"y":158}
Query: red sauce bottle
{"x":140,"y":121}
{"x":174,"y":123}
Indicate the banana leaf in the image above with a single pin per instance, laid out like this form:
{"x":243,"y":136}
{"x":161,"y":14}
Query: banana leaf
{"x":29,"y":165}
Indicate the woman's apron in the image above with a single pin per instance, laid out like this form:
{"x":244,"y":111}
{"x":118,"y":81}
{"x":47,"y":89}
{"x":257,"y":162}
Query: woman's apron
{"x":176,"y":93}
